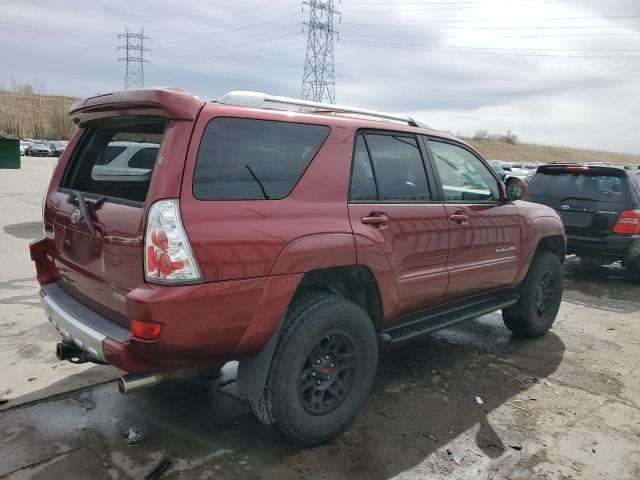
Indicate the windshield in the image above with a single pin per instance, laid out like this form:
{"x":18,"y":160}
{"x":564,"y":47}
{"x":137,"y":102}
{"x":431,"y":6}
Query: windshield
{"x":597,"y":187}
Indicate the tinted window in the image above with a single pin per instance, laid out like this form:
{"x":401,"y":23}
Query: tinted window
{"x":363,"y":185}
{"x":398,"y":168}
{"x":463,"y":175}
{"x":144,"y":158}
{"x":89,"y":169}
{"x":107,"y":155}
{"x":244,"y":159}
{"x":561,"y":185}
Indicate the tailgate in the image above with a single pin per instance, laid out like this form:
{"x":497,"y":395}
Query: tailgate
{"x":588,"y":199}
{"x":96,"y":207}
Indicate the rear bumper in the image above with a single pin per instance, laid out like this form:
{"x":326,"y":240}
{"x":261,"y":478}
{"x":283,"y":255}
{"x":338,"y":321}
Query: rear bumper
{"x":78,"y":325}
{"x":201,"y":324}
{"x":612,"y":246}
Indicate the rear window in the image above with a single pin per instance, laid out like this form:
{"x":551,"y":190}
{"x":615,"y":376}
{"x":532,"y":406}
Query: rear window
{"x":593,"y":186}
{"x":245,"y":159}
{"x":115,"y":158}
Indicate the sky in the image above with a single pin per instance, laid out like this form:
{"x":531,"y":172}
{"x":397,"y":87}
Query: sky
{"x":556,"y":72}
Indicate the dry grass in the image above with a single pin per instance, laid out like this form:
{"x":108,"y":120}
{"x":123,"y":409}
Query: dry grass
{"x":526,"y":152}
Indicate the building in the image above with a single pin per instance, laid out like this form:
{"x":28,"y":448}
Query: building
{"x":9,"y":151}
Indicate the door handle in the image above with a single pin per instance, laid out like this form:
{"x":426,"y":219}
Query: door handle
{"x":376,"y":220}
{"x":459,"y":218}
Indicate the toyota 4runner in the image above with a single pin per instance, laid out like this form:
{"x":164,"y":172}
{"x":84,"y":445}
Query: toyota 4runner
{"x":294,"y":237}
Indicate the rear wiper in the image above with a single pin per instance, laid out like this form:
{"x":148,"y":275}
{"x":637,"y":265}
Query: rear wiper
{"x":264,"y":192}
{"x":77,"y":198}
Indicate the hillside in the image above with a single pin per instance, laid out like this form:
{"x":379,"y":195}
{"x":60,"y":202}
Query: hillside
{"x":526,"y":152}
{"x":29,"y":114}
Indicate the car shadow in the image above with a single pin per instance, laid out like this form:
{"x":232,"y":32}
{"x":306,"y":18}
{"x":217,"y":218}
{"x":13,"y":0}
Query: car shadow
{"x":605,"y":287}
{"x":26,"y":230}
{"x":427,"y":393}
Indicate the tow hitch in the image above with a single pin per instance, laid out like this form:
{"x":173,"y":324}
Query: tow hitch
{"x":71,"y":353}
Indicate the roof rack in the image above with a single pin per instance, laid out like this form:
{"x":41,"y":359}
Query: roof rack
{"x":258,"y":100}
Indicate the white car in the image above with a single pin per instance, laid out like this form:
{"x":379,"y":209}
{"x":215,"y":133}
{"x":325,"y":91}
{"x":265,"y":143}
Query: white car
{"x":125,"y":161}
{"x":24,"y":146}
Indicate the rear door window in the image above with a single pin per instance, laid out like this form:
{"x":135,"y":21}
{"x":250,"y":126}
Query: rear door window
{"x":246,"y":159}
{"x":99,"y":164}
{"x":397,"y":166}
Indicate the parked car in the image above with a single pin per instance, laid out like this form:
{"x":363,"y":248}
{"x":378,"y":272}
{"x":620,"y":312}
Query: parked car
{"x":498,"y":168}
{"x":38,"y":150}
{"x":58,"y":147}
{"x":600,"y":208}
{"x":295,"y":242}
{"x":124,"y":161}
{"x":24,"y":146}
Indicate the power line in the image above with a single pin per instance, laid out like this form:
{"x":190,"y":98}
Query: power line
{"x":134,"y":57}
{"x":318,"y":79}
{"x":481,"y":51}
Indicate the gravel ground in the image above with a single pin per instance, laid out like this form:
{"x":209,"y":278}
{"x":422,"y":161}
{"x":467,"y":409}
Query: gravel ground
{"x":471,"y":402}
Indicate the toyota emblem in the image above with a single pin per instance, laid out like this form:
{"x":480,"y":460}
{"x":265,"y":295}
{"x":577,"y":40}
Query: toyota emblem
{"x":75,"y":215}
{"x":565,"y":207}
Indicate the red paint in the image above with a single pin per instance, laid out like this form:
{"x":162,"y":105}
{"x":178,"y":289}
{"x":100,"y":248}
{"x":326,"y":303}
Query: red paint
{"x":253,"y":254}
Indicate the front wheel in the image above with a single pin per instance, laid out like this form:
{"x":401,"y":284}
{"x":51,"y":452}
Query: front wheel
{"x":322,"y":371}
{"x":540,"y":297}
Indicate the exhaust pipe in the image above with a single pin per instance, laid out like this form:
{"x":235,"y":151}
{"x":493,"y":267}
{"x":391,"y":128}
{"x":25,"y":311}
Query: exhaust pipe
{"x":132,"y":382}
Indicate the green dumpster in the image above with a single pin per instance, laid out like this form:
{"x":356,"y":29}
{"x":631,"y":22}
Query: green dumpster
{"x":9,"y":151}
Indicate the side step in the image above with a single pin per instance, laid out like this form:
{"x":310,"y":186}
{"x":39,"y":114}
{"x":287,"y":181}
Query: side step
{"x":438,"y":318}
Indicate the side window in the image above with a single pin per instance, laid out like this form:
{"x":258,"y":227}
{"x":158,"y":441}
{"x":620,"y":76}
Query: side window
{"x":398,"y":167}
{"x":463,"y":175}
{"x":246,"y":159}
{"x":143,"y":158}
{"x":363,"y":183}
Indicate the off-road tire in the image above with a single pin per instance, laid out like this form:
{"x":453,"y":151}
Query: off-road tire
{"x":531,"y":318}
{"x":313,"y":318}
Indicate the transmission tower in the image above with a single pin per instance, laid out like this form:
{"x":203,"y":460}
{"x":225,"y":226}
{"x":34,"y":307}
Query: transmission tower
{"x":319,"y":79}
{"x":134,"y":56}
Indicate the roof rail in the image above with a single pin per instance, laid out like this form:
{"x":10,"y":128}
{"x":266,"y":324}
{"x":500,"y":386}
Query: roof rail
{"x":258,"y":100}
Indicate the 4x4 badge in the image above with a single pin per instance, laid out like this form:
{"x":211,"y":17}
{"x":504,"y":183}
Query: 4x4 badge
{"x":75,"y":215}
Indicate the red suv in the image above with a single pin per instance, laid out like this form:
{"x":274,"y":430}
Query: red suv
{"x":296,"y":241}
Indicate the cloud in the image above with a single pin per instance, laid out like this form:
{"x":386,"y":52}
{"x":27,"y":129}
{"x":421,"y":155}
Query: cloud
{"x":496,"y":65}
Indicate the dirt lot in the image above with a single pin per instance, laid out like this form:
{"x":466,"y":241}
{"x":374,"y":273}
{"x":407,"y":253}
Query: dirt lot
{"x":469,"y":403}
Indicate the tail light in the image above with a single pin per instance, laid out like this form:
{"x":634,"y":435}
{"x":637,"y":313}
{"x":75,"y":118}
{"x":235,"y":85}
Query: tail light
{"x":628,"y":222}
{"x":145,"y":330}
{"x":168,"y":257}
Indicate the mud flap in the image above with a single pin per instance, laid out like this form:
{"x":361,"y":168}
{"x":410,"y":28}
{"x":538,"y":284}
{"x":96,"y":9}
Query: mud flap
{"x":253,"y":372}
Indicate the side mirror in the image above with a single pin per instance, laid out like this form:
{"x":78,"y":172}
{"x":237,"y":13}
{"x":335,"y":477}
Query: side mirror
{"x":516,"y":188}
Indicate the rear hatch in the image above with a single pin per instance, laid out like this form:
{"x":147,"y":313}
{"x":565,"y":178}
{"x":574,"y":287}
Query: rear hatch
{"x":98,"y":200}
{"x":588,"y":198}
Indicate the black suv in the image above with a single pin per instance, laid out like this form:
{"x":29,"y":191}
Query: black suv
{"x":600,"y":208}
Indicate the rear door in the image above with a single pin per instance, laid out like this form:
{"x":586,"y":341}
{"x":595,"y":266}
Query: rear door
{"x":484,"y":244}
{"x":97,"y":213}
{"x":393,"y":209}
{"x":589,"y":199}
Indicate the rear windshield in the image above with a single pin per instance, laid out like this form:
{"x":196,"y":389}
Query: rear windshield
{"x":115,"y":158}
{"x":593,"y":186}
{"x":245,"y":159}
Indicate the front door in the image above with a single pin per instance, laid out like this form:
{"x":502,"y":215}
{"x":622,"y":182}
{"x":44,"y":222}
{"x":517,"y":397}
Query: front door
{"x":484,"y":242}
{"x":401,"y":232}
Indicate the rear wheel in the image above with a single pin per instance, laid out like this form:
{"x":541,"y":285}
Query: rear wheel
{"x":322,"y":371}
{"x":540,"y":297}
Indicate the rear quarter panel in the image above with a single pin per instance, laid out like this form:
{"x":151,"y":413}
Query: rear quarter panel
{"x":245,"y":238}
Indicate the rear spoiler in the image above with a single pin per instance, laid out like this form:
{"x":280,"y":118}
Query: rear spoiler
{"x":167,"y":102}
{"x":581,"y":168}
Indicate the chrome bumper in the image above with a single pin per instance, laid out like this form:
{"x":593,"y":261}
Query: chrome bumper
{"x":73,"y":331}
